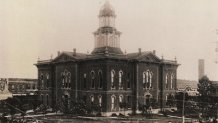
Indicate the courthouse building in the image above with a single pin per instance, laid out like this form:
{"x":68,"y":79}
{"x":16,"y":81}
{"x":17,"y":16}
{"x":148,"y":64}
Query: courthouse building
{"x":107,"y":76}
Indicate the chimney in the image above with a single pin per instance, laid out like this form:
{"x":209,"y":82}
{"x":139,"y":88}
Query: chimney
{"x":200,"y":68}
{"x":59,"y":53}
{"x":154,"y":52}
{"x":140,"y":51}
{"x":74,"y":51}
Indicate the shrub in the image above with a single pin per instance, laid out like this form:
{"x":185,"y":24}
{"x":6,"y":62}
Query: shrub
{"x":114,"y":115}
{"x":121,"y":115}
{"x":98,"y":114}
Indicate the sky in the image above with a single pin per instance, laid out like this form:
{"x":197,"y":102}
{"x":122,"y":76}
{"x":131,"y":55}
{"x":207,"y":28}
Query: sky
{"x":32,"y":29}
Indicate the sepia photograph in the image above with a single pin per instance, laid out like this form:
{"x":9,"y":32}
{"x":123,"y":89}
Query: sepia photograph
{"x":108,"y":61}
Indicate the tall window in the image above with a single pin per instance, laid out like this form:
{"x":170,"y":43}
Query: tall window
{"x":47,"y":80}
{"x":129,"y":99}
{"x":92,"y":99}
{"x":166,"y":81}
{"x":100,"y":100}
{"x":84,"y":98}
{"x":128,"y":80}
{"x":42,"y":81}
{"x":112,"y":78}
{"x":69,"y":80}
{"x":42,"y":98}
{"x":84,"y":81}
{"x":171,"y":81}
{"x":147,"y":79}
{"x":120,"y":79}
{"x":47,"y":100}
{"x":112,"y":102}
{"x":150,"y":79}
{"x":12,"y":86}
{"x":100,"y":79}
{"x":92,"y":79}
{"x":167,"y":99}
{"x":66,"y":79}
{"x":143,"y":79}
{"x":120,"y":98}
{"x":63,"y":79}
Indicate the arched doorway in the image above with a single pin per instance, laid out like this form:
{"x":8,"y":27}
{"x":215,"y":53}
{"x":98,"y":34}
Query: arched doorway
{"x":147,"y":98}
{"x":66,"y":99}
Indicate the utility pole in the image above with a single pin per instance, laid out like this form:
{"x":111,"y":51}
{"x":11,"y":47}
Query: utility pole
{"x":183,"y":105}
{"x":183,"y":109}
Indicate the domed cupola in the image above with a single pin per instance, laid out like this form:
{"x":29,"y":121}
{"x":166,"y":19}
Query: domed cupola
{"x":107,"y":38}
{"x":107,"y":10}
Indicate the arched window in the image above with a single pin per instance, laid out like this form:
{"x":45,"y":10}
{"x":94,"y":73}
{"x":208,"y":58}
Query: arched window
{"x":63,"y":79}
{"x":112,"y":102}
{"x":120,"y":79}
{"x":66,"y":79}
{"x":47,"y":80}
{"x":171,"y":81}
{"x":166,"y":81}
{"x":120,"y":98}
{"x":92,"y":99}
{"x":150,"y":79}
{"x":100,"y":100}
{"x":143,"y":79}
{"x":42,"y":98}
{"x":112,"y":78}
{"x":47,"y":99}
{"x":69,"y":80}
{"x":92,"y":79}
{"x":100,"y":79}
{"x":42,"y":81}
{"x":84,"y":80}
{"x":128,"y":80}
{"x":167,"y":99}
{"x":147,"y":76}
{"x":12,"y":86}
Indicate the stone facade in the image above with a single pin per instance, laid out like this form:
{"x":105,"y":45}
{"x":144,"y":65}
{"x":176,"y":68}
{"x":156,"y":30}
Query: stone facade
{"x":107,"y":76}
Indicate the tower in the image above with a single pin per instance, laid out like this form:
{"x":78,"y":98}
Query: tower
{"x":200,"y":68}
{"x":107,"y":38}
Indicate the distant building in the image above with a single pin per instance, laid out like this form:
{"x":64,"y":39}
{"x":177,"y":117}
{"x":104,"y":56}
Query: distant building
{"x":107,"y":76}
{"x":4,"y":92}
{"x":190,"y":86}
{"x":200,"y":68}
{"x":22,"y":86}
{"x":182,"y":84}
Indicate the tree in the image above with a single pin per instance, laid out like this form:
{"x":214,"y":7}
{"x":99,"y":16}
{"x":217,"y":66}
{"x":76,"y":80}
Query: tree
{"x":124,"y":106}
{"x":205,"y":87}
{"x":205,"y":100}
